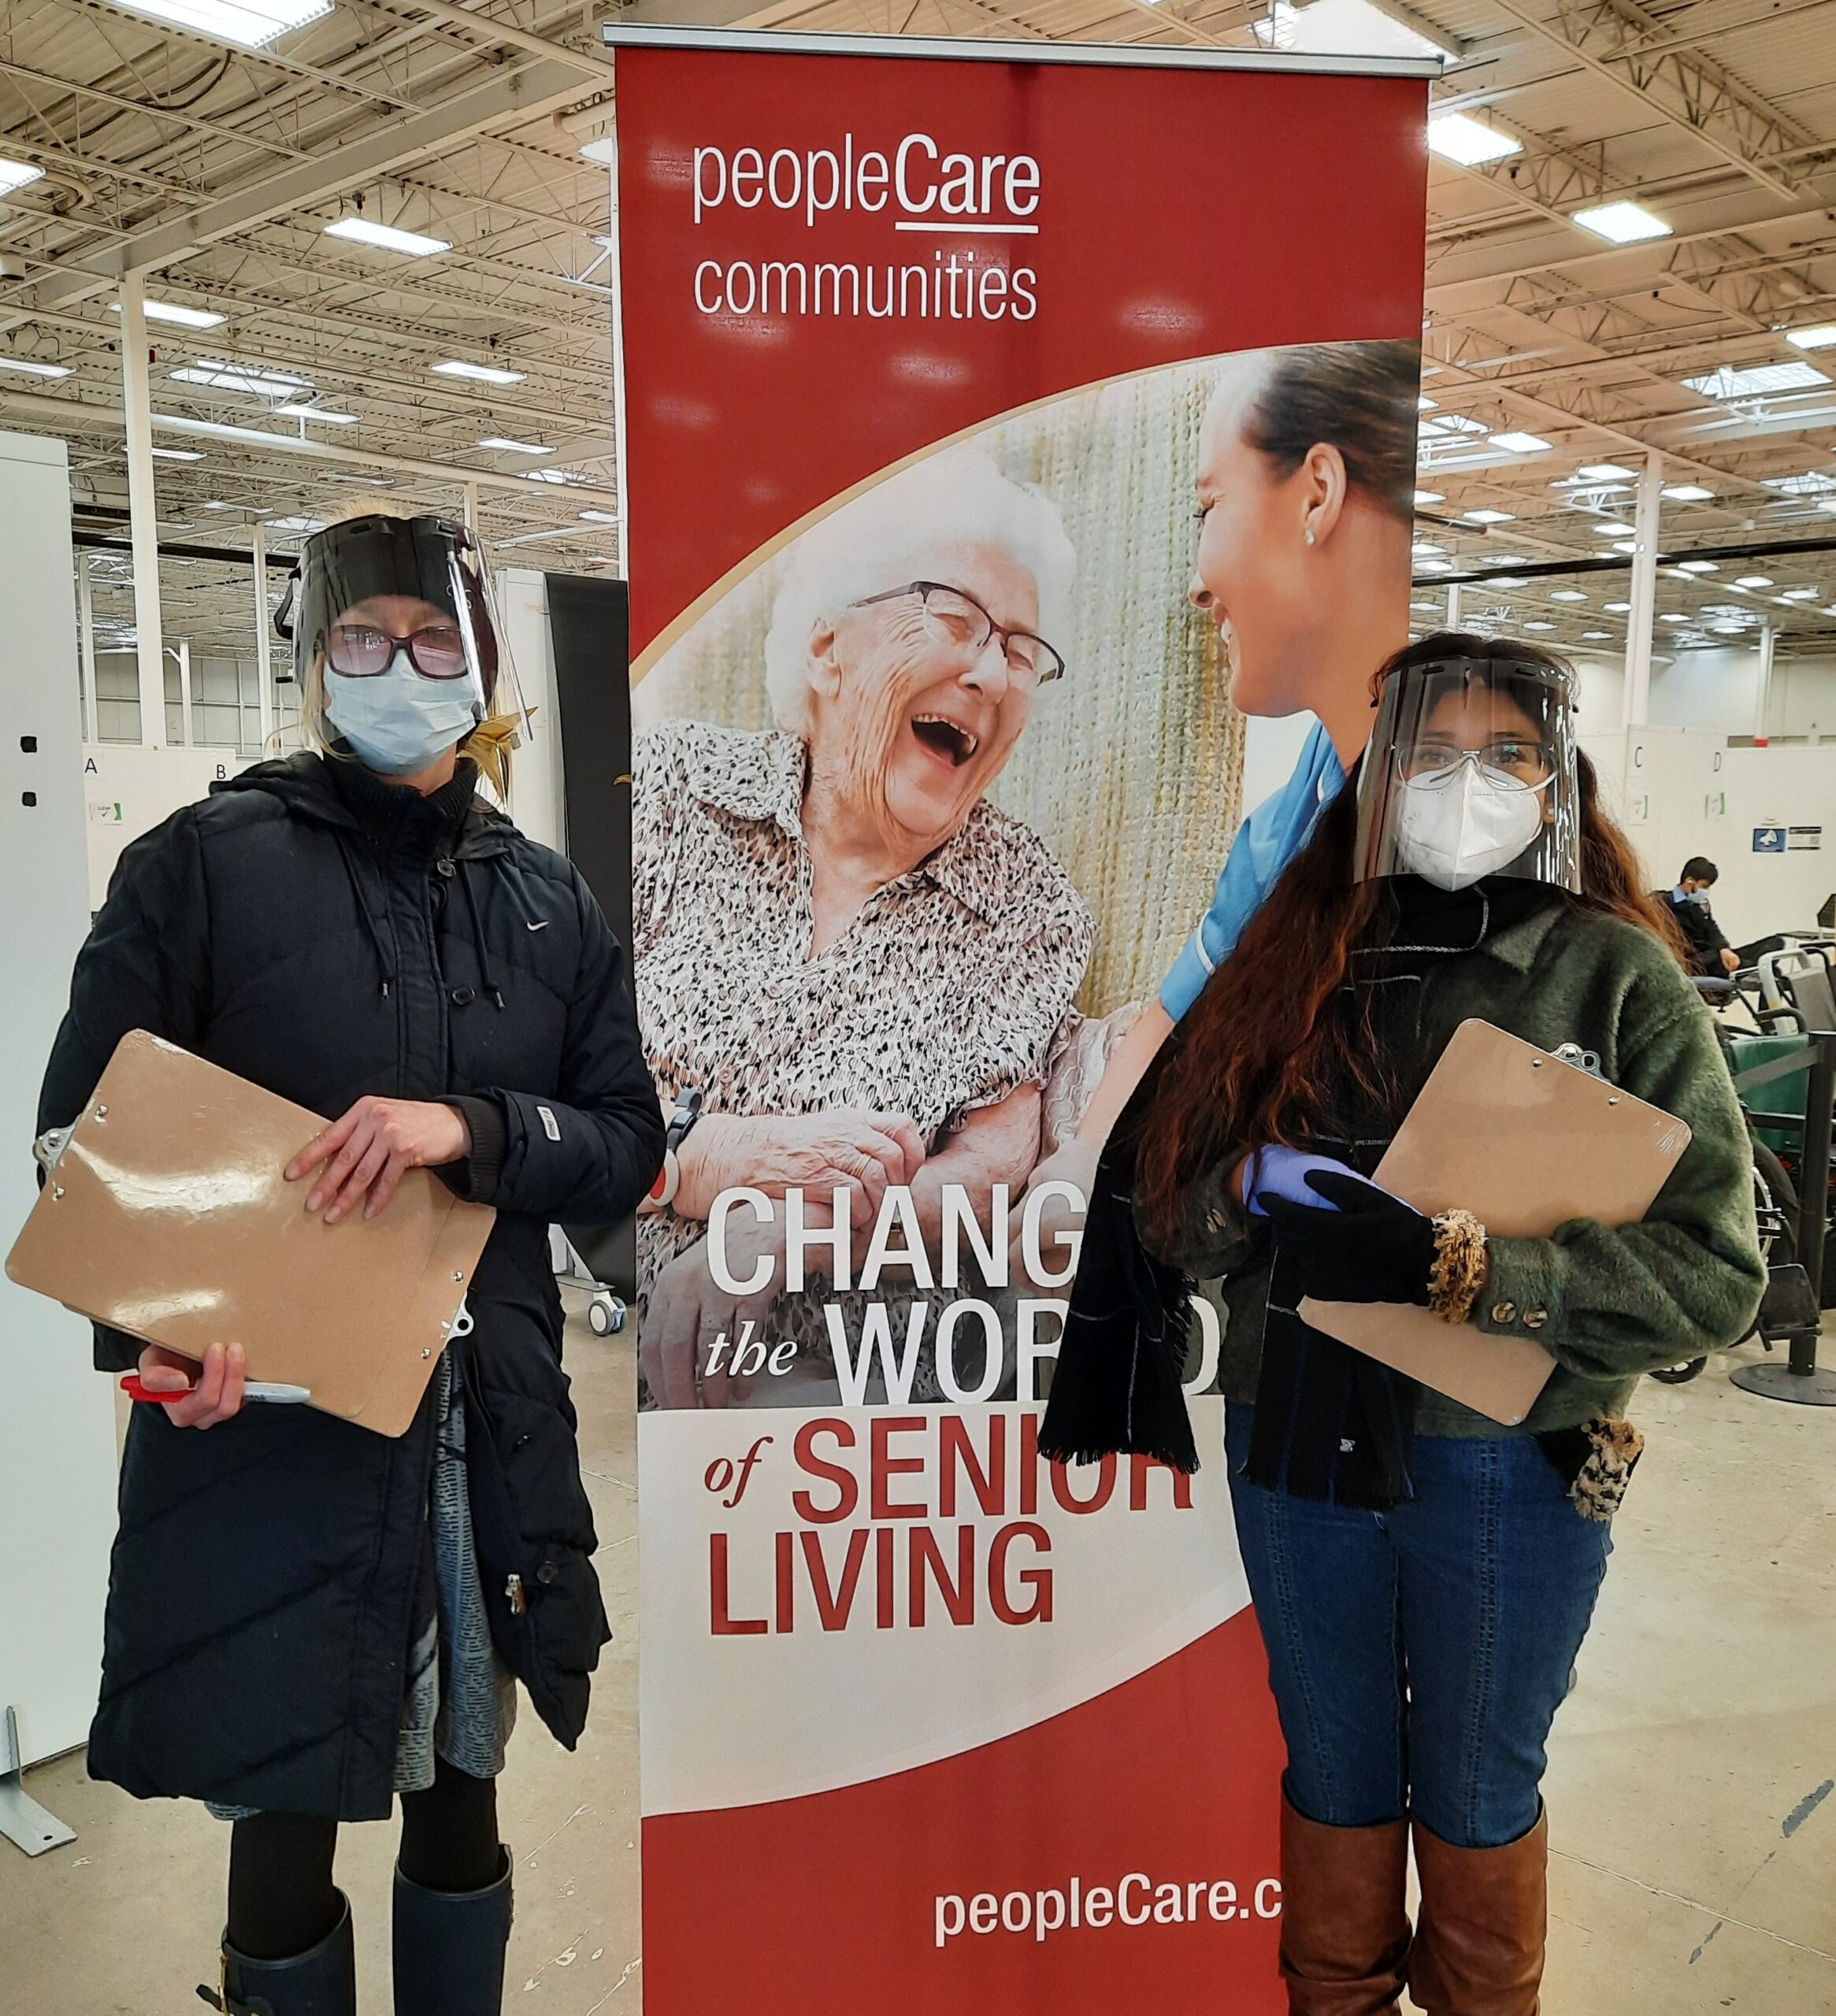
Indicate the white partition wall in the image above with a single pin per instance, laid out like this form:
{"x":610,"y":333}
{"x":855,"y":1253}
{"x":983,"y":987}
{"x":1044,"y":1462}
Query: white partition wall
{"x":56,"y":1427}
{"x":537,"y":799}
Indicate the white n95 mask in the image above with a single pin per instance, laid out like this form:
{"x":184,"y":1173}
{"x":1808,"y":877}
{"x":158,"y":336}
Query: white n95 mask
{"x":1451,"y":831}
{"x":397,"y":723}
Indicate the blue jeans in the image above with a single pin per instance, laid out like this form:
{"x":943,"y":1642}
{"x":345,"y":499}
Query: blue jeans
{"x":1418,"y":1656}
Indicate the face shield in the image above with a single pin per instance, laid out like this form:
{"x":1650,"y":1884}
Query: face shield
{"x":1471,"y":773}
{"x":396,"y":616}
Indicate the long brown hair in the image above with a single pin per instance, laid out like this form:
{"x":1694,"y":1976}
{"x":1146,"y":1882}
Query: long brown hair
{"x":1259,"y":1056}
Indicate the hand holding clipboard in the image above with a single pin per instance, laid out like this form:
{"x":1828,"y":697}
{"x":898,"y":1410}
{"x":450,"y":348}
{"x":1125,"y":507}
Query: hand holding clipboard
{"x":1526,"y":1141}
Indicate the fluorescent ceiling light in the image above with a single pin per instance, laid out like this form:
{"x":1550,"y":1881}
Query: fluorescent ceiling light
{"x":605,"y":152}
{"x":1810,"y":483}
{"x":295,"y":524}
{"x":1802,"y":595}
{"x":1595,"y":636}
{"x":177,"y":311}
{"x":1727,"y":629}
{"x":15,"y":175}
{"x":1622,"y":224}
{"x":1429,"y":497}
{"x":251,"y":23}
{"x":32,"y":369}
{"x":1626,"y":546}
{"x":600,"y":517}
{"x":1508,"y":559}
{"x":1488,"y":516}
{"x":1820,"y":338}
{"x":1697,"y":567}
{"x":1520,"y":443}
{"x":1605,"y":528}
{"x":1567,"y":595}
{"x":1539,"y":626}
{"x":1430,"y":608}
{"x":1603,"y":472}
{"x":179,"y":454}
{"x":556,"y":476}
{"x":1739,"y":381}
{"x":510,"y":447}
{"x":1456,"y":138}
{"x":368,"y":482}
{"x":1754,"y":581}
{"x":261,"y":380}
{"x":485,"y":374}
{"x":296,"y":410}
{"x":363,"y":231}
{"x":1423,"y":403}
{"x":1454,"y":423}
{"x":1434,"y":566}
{"x":1505,"y":581}
{"x":1687,"y":493}
{"x":1341,"y":27}
{"x":1673,"y":618}
{"x":1616,"y":608}
{"x":215,"y":504}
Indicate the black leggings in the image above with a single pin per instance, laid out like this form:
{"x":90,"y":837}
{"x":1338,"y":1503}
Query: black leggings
{"x":281,"y":1897}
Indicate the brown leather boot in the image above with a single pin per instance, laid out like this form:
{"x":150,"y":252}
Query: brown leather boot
{"x":1484,"y":1920}
{"x":1345,"y":1930}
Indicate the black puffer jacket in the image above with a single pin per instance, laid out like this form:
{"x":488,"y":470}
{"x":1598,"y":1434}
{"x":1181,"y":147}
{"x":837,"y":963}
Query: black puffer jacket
{"x":327,"y":935}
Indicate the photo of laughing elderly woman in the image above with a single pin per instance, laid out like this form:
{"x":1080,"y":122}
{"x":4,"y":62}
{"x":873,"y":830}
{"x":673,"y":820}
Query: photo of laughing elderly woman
{"x":851,"y":966}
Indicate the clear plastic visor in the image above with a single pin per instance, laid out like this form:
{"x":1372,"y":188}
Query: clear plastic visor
{"x":376,"y":593}
{"x":1471,"y":773}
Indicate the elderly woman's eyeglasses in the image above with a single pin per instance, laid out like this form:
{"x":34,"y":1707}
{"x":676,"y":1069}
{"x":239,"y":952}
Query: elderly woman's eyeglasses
{"x":1510,"y":762}
{"x":360,"y":651}
{"x":959,"y":621}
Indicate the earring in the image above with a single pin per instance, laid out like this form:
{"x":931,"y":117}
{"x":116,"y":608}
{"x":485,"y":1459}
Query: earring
{"x":1309,"y":536}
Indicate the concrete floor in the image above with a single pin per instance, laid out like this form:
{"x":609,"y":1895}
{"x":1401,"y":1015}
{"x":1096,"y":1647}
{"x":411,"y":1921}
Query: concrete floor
{"x":1689,"y":1788}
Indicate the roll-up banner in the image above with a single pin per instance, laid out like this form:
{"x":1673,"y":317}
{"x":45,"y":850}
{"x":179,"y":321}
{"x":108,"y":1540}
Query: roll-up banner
{"x":940,"y":362}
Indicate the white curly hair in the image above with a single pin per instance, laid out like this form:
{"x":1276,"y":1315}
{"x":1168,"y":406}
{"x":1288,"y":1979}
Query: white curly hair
{"x":886,"y":537}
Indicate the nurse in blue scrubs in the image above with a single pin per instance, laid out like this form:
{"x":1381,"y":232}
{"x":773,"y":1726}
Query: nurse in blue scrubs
{"x":1306,"y":499}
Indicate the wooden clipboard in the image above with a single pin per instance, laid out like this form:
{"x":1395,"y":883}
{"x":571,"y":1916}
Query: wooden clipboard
{"x":166,"y":1215}
{"x":1524,"y":1141}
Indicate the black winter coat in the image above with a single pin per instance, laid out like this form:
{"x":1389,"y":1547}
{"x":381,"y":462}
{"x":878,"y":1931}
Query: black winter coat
{"x":327,"y":935}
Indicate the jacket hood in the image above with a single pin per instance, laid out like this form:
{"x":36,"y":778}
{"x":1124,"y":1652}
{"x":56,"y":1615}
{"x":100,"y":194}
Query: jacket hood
{"x":303,"y":783}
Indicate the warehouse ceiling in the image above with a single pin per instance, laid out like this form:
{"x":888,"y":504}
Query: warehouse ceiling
{"x":1555,"y":357}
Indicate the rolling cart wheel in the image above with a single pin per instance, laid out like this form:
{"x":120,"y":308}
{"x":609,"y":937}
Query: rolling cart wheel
{"x":1680,"y":1375}
{"x":605,"y":1314}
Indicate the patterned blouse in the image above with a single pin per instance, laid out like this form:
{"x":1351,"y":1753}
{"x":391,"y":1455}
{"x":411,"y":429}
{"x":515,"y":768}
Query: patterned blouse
{"x":944,"y":994}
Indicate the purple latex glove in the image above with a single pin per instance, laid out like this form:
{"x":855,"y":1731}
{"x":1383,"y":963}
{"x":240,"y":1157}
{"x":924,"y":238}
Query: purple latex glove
{"x":1278,"y":1172}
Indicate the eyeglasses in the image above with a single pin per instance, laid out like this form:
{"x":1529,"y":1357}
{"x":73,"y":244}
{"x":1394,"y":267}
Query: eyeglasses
{"x":959,"y":621}
{"x":1509,"y":762}
{"x":360,"y":651}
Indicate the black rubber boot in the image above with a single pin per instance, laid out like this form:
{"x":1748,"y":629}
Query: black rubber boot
{"x":321,"y":1982}
{"x":450,"y":1947}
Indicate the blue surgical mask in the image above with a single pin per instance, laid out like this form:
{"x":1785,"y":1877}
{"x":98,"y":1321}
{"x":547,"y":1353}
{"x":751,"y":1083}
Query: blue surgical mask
{"x":1700,"y":896}
{"x":398,"y":723}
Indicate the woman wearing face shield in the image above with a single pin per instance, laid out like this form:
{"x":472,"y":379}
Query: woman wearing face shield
{"x":306,"y":1618}
{"x":1423,"y":1577}
{"x":845,"y":954}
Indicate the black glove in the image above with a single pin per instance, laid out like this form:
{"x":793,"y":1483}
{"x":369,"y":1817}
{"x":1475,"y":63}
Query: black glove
{"x":1371,"y":1247}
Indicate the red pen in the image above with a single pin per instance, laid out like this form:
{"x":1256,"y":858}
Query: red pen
{"x":253,"y":1389}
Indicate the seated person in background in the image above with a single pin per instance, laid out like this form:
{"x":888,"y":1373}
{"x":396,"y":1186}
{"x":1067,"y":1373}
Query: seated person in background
{"x":1710,"y":954}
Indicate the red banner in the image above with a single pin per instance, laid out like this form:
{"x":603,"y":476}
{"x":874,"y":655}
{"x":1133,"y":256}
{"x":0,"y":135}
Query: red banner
{"x":923,"y":357}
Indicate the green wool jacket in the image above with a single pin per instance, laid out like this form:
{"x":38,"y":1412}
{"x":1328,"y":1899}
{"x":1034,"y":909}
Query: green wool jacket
{"x":1608,"y":1305}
